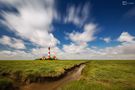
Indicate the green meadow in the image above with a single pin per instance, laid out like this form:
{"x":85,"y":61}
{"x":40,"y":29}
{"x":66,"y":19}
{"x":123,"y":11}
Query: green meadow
{"x":20,"y":70}
{"x":106,"y":75}
{"x":43,"y":68}
{"x":97,"y":74}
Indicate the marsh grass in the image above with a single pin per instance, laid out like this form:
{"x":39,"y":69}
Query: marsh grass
{"x":106,"y":75}
{"x":5,"y":83}
{"x":21,"y":71}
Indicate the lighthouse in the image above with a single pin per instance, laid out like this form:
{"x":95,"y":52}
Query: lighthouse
{"x":49,"y":53}
{"x":49,"y":56}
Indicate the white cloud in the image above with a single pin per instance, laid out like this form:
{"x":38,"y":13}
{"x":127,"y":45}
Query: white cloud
{"x":33,"y":22}
{"x":12,"y":42}
{"x":15,"y":55}
{"x":31,"y":55}
{"x":126,"y":37}
{"x":122,"y":52}
{"x":72,"y":51}
{"x":74,"y":48}
{"x":8,"y":1}
{"x":77,"y":15}
{"x":106,"y":39}
{"x":127,"y":48}
{"x":86,"y":36}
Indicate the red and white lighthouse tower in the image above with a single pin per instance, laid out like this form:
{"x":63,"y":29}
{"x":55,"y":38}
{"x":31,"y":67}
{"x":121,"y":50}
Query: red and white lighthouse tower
{"x":49,"y":53}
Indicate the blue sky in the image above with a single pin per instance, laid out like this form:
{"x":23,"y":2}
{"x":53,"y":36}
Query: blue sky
{"x":74,"y":29}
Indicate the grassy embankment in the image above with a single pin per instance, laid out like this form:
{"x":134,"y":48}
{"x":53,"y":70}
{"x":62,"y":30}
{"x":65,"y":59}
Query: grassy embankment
{"x":106,"y":75}
{"x":24,"y":71}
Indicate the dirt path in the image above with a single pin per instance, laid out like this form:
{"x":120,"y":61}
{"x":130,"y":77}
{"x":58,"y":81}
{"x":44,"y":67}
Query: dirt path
{"x":71,"y":76}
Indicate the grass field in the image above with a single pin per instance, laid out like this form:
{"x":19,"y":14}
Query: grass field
{"x":106,"y":75}
{"x":20,"y":71}
{"x":97,"y":75}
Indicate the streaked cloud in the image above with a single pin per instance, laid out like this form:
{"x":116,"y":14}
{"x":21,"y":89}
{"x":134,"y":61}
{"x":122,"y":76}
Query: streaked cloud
{"x":12,"y":42}
{"x":33,"y":21}
{"x":77,"y":15}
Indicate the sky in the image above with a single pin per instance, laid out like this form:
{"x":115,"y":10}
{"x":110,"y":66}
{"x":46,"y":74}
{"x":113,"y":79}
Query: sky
{"x":74,"y":29}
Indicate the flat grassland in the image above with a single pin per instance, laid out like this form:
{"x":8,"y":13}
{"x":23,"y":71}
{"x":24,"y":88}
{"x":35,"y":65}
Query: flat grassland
{"x":97,"y":74}
{"x":40,"y":67}
{"x":22,"y":70}
{"x":106,"y":75}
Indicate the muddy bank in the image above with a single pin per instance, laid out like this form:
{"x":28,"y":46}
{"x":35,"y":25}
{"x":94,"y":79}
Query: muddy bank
{"x":16,"y":81}
{"x":36,"y":79}
{"x":54,"y":83}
